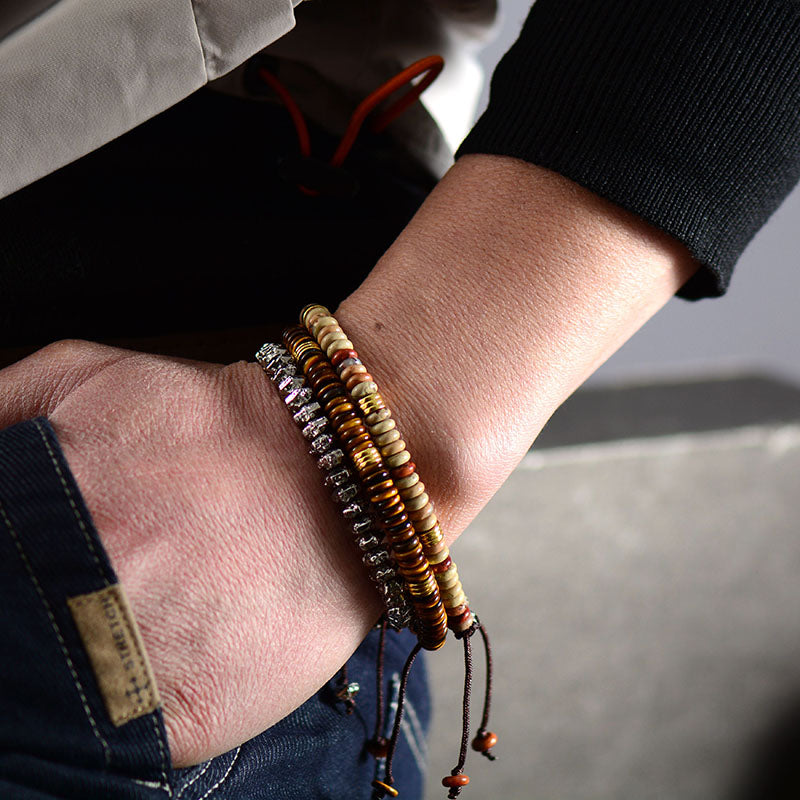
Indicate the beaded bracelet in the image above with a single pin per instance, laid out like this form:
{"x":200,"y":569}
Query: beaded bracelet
{"x":383,"y":428}
{"x":298,"y":397}
{"x":336,"y":403}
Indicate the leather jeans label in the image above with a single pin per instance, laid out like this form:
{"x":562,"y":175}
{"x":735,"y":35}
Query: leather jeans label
{"x":114,"y":646}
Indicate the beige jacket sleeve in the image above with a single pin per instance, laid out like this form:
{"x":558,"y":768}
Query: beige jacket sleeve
{"x":79,"y":73}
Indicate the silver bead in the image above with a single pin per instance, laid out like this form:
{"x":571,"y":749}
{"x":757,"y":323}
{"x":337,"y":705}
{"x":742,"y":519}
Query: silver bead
{"x":315,"y":428}
{"x":361,"y":526}
{"x":289,"y":383}
{"x":298,"y":397}
{"x":383,"y":574}
{"x":306,"y":413}
{"x":398,"y":618}
{"x":321,"y":444}
{"x":346,"y":493}
{"x":367,"y":542}
{"x":353,"y":510}
{"x":330,"y":460}
{"x":338,"y":477}
{"x":376,"y":558}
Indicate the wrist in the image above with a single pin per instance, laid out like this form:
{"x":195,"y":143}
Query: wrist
{"x":508,"y":288}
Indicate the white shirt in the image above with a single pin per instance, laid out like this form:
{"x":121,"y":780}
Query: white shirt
{"x":75,"y":74}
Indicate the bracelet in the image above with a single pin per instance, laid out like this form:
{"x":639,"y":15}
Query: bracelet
{"x":337,"y":406}
{"x":298,"y":397}
{"x":383,"y":428}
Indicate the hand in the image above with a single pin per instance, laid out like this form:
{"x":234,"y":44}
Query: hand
{"x":506,"y":290}
{"x":240,"y":573}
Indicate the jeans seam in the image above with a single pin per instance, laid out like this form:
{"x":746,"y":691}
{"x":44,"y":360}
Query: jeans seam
{"x":63,"y":645}
{"x":194,"y":779}
{"x":75,"y":510}
{"x":163,"y":751}
{"x":224,"y":777}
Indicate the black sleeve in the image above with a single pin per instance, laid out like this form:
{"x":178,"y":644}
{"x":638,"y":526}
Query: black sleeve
{"x":685,"y":112}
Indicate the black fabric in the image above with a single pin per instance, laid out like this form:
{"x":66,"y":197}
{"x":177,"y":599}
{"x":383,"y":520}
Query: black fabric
{"x":190,"y":223}
{"x":685,"y":112}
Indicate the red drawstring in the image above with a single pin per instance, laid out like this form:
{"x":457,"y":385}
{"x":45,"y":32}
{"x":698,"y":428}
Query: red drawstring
{"x":428,"y":67}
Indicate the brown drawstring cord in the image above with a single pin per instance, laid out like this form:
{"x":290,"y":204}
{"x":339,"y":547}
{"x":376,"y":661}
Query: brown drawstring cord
{"x":378,"y":746}
{"x":484,"y":737}
{"x":385,"y":786}
{"x":456,"y":781}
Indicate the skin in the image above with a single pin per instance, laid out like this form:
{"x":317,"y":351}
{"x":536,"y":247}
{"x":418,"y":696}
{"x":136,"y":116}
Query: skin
{"x":508,"y":288}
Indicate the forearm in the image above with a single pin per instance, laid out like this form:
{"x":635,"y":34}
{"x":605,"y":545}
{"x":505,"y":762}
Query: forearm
{"x":507,"y":290}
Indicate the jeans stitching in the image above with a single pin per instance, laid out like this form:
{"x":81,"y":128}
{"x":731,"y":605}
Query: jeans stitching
{"x":62,"y":643}
{"x":78,"y":516}
{"x":194,"y":779}
{"x":162,"y":750}
{"x":224,"y":777}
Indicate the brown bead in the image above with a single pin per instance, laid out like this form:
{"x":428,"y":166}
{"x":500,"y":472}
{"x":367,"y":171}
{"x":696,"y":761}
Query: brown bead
{"x":342,"y":355}
{"x":452,"y":781}
{"x":358,"y":377}
{"x":404,"y":470}
{"x":442,"y":566}
{"x":484,"y":741}
{"x":379,"y":748}
{"x":462,"y":623}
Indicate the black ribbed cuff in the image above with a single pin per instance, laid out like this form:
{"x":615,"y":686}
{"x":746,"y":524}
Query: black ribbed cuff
{"x":685,"y":112}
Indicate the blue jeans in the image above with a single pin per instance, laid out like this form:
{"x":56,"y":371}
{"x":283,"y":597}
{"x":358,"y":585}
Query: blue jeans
{"x":56,"y":739}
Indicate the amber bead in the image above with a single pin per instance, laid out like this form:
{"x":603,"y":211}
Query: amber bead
{"x":452,"y":781}
{"x":385,"y":788}
{"x":484,"y":741}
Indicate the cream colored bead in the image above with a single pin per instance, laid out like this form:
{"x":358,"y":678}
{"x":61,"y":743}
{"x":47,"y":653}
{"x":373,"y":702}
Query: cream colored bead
{"x":447,"y":580}
{"x":390,"y":437}
{"x":377,"y":416}
{"x":453,"y":597}
{"x":328,"y":329}
{"x":396,"y":446}
{"x":339,"y":344}
{"x":398,"y":460}
{"x":384,"y":426}
{"x":428,"y":524}
{"x":364,"y":388}
{"x":313,"y":313}
{"x":408,"y":481}
{"x":412,"y":491}
{"x":321,"y":322}
{"x":416,"y":503}
{"x":437,"y":558}
{"x":334,"y":336}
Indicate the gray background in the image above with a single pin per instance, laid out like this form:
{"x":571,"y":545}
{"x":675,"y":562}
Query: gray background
{"x":753,"y":328}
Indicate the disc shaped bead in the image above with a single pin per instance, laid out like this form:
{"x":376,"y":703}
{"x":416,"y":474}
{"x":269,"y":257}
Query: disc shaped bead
{"x":454,"y":781}
{"x":339,"y":344}
{"x":364,"y":388}
{"x":398,"y":459}
{"x":407,"y":482}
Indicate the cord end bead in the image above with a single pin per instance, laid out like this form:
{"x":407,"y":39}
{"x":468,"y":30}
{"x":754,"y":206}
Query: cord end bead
{"x":382,"y":789}
{"x":484,"y":742}
{"x":378,"y":747}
